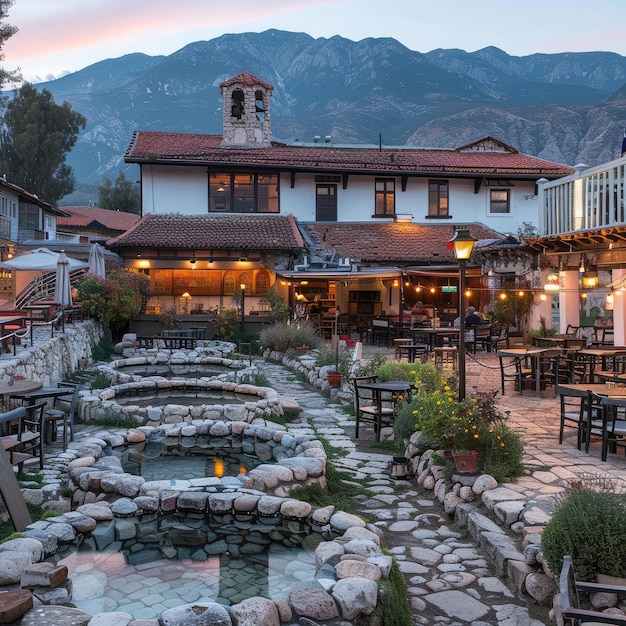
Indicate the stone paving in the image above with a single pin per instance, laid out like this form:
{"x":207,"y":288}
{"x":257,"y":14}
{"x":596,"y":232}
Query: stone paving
{"x":449,"y":580}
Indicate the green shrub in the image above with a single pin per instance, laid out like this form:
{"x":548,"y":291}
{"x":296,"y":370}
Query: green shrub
{"x":281,"y":337}
{"x":393,"y":608}
{"x":103,"y":350}
{"x":340,"y":359}
{"x":424,"y":375}
{"x":591,"y":528}
{"x":474,"y":424}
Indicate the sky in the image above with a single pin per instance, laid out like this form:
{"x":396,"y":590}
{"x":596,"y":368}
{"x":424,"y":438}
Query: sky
{"x":60,"y":36}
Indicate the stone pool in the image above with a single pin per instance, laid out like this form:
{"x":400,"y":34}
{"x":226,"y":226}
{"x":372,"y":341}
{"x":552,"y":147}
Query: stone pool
{"x":205,"y":398}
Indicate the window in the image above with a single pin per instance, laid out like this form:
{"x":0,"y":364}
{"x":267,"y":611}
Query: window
{"x":438,"y":193}
{"x":237,"y":104}
{"x":243,"y":193}
{"x":29,"y":217}
{"x":499,"y":201}
{"x":385,"y":196}
{"x":8,"y":207}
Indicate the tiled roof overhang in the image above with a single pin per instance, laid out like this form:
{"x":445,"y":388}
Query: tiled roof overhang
{"x":392,"y":242}
{"x":217,"y":232}
{"x":147,"y":147}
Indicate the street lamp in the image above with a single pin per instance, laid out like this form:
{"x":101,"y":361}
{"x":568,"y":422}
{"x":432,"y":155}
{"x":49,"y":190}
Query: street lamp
{"x":242,"y":286}
{"x":462,"y":243}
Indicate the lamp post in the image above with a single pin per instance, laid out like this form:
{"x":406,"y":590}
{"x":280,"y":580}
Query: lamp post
{"x":462,"y":243}
{"x":242,"y":286}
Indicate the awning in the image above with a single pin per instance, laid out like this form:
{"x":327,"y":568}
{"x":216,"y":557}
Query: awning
{"x":335,"y":274}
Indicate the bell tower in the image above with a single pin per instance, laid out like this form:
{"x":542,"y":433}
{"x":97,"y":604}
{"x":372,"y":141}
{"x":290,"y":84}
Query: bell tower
{"x":246,"y":103}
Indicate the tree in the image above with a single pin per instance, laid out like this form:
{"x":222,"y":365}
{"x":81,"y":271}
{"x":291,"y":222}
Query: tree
{"x":6,"y":31}
{"x":121,"y":196}
{"x":37,"y":136}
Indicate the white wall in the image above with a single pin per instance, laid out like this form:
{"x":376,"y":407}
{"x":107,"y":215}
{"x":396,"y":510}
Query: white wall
{"x":181,"y":189}
{"x":174,"y":189}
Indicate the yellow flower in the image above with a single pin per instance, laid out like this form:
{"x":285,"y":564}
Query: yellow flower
{"x":450,"y":400}
{"x":412,"y":372}
{"x":475,"y":435}
{"x":438,"y":402}
{"x":421,"y":408}
{"x":415,"y":411}
{"x":444,"y":382}
{"x":474,"y":426}
{"x":502,"y":445}
{"x":446,"y":388}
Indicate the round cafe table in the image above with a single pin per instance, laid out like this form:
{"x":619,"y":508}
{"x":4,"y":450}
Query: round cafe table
{"x":15,"y":386}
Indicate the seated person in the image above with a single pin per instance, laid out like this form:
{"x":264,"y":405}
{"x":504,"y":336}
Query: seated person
{"x":419,"y":313}
{"x":473,"y":318}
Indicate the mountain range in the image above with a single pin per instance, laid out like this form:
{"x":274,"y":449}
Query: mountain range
{"x":568,"y":107}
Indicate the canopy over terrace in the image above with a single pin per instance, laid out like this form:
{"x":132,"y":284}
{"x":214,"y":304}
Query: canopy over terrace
{"x":381,"y":268}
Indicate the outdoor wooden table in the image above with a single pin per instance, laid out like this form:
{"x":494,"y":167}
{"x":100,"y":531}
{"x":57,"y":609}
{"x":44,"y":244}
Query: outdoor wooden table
{"x":16,"y":386}
{"x":412,"y":350}
{"x":14,"y":321}
{"x":435,"y":335}
{"x":600,"y":355}
{"x":394,"y":388}
{"x":39,"y":310}
{"x":598,"y":388}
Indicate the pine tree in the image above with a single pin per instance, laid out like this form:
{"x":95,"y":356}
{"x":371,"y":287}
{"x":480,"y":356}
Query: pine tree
{"x":37,"y":137}
{"x":123,"y":195}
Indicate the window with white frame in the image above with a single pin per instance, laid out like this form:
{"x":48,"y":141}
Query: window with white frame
{"x":8,"y":207}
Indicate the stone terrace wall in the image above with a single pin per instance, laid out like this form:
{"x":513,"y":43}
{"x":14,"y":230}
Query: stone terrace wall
{"x":55,"y":359}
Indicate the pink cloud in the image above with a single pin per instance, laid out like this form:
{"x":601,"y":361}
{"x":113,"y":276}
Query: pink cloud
{"x":121,"y":23}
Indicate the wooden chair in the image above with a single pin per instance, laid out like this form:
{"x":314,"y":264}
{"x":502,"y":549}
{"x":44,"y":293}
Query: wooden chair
{"x":63,"y":410}
{"x":482,"y":337}
{"x":380,"y":331}
{"x":514,"y":368}
{"x":569,"y":588}
{"x":368,"y":406}
{"x":612,"y":421}
{"x":27,"y":444}
{"x":498,"y":336}
{"x":574,"y":411}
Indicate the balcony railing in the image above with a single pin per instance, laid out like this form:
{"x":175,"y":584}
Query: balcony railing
{"x":591,"y":198}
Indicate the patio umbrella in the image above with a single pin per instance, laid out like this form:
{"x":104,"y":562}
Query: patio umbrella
{"x":62,"y":287}
{"x":96,"y":261}
{"x":40,"y":259}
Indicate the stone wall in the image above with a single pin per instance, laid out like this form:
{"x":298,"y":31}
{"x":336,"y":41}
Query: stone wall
{"x":53,"y":360}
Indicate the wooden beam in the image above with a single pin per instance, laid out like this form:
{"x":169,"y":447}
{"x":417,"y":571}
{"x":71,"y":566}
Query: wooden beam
{"x":12,"y":494}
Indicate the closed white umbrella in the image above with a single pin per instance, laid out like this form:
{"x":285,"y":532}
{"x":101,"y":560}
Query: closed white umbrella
{"x":62,"y":286}
{"x":96,"y":261}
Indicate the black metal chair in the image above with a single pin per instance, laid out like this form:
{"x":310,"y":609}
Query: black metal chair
{"x":63,"y":410}
{"x":574,"y":406}
{"x":569,"y":588}
{"x":514,"y":368}
{"x":27,"y":444}
{"x":613,"y":423}
{"x":369,"y":406}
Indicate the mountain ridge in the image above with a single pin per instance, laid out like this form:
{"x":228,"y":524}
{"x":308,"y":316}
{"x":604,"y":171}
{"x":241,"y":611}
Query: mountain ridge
{"x":566,"y":107}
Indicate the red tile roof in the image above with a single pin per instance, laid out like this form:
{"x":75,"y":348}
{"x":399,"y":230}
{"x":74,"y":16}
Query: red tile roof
{"x":247,"y":79}
{"x":392,"y":242}
{"x":97,"y":217}
{"x":149,"y":146}
{"x":217,"y":232}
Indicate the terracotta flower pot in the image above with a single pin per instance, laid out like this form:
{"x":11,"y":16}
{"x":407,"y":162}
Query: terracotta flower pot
{"x":466,"y":463}
{"x":334,"y":380}
{"x":302,"y":349}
